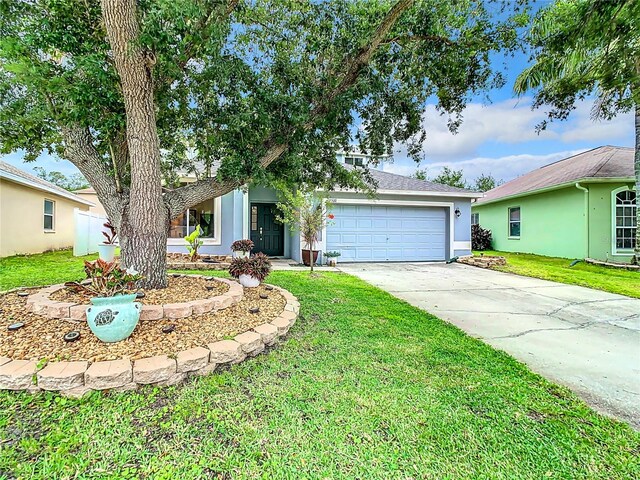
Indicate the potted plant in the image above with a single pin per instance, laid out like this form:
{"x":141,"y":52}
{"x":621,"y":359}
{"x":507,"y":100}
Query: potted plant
{"x":242,"y":248}
{"x":250,"y":271}
{"x":308,"y":213}
{"x":113,"y":314}
{"x":194,"y":243}
{"x":107,"y":249}
{"x":332,"y":258}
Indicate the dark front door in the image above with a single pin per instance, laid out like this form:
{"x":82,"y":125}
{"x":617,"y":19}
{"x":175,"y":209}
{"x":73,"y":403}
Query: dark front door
{"x":266,"y":233}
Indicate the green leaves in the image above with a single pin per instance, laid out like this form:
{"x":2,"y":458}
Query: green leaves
{"x":232,"y":82}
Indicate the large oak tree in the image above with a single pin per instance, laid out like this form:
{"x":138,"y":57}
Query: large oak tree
{"x":235,"y":91}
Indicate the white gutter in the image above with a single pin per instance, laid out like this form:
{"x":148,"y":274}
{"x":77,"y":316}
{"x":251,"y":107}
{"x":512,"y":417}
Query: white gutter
{"x":586,"y":216}
{"x":29,"y":183}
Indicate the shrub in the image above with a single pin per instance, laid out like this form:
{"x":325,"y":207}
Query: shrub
{"x":257,"y":266}
{"x":480,"y":238}
{"x":107,"y":279}
{"x":242,"y":246}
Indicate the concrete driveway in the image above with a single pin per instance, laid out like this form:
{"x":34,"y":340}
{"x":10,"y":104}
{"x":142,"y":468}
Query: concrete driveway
{"x":585,"y":339}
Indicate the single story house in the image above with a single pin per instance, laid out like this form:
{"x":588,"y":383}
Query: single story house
{"x":409,"y":220}
{"x":581,"y":207}
{"x":35,"y":215}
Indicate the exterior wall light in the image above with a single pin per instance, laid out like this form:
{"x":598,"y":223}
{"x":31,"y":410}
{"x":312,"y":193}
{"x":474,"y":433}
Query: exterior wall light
{"x":457,"y":212}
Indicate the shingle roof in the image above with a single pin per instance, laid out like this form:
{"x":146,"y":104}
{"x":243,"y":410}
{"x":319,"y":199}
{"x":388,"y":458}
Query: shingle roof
{"x":15,"y":174}
{"x":601,"y":162}
{"x":393,"y":181}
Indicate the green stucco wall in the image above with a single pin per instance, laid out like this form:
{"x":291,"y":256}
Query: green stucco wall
{"x":600,"y":222}
{"x":552,"y":223}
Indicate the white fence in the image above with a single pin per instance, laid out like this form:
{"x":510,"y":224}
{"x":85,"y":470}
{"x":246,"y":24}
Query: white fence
{"x":88,"y":232}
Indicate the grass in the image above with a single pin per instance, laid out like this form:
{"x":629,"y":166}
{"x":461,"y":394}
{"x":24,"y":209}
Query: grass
{"x":613,"y":280}
{"x":40,"y":269}
{"x":365,"y":386}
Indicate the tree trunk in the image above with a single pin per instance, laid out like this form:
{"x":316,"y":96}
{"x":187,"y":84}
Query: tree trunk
{"x":636,"y":251}
{"x":145,"y":221}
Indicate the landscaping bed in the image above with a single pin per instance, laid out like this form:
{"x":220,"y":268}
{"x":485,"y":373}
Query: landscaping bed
{"x":42,"y":337}
{"x":181,"y":261}
{"x":180,"y":289}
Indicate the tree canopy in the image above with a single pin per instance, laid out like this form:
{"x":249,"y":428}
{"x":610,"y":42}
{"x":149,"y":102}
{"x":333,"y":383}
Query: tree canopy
{"x":75,"y":181}
{"x":233,"y":91}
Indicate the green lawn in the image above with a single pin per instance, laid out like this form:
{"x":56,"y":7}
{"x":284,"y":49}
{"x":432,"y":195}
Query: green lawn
{"x":41,"y":269}
{"x":624,"y":282}
{"x":365,"y":386}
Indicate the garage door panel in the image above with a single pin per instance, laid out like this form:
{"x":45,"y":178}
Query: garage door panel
{"x":367,"y":233}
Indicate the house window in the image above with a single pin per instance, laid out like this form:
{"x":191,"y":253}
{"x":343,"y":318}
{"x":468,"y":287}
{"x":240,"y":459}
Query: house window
{"x":475,"y":219}
{"x":355,"y":161}
{"x":49,"y":213}
{"x":514,"y":222}
{"x":202,"y":215}
{"x":254,"y":218}
{"x":625,"y":220}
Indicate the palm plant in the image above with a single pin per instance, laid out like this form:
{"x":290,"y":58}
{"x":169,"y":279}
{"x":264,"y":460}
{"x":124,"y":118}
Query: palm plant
{"x":306,"y":212}
{"x":585,"y":48}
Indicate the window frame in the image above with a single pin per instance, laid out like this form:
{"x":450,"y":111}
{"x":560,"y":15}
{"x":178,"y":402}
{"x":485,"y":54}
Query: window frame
{"x":217,"y":227}
{"x":52,"y":215}
{"x":475,"y":215}
{"x":519,"y":222}
{"x":356,"y":161}
{"x":614,"y":216}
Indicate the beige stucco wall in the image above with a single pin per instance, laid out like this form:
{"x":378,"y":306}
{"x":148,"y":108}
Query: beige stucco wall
{"x":93,"y":198}
{"x":22,"y":224}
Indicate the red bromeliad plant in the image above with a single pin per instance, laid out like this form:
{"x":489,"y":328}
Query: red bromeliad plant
{"x":111,"y":235}
{"x":257,"y":266}
{"x":242,"y":246}
{"x":107,"y":279}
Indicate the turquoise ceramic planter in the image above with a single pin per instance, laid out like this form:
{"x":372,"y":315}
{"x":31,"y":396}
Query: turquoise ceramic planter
{"x":113,"y":319}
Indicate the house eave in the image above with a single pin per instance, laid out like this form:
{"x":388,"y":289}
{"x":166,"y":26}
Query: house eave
{"x":419,"y":193}
{"x":23,"y":181}
{"x":557,"y":187}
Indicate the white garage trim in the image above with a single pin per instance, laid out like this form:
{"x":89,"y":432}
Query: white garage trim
{"x":462,"y":245}
{"x":405,"y":203}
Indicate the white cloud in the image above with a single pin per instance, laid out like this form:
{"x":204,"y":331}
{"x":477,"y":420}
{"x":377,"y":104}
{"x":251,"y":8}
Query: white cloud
{"x":501,"y":139}
{"x":501,"y":168}
{"x":511,"y":122}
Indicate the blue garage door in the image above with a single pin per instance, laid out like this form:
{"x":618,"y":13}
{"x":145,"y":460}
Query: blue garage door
{"x":376,"y":233}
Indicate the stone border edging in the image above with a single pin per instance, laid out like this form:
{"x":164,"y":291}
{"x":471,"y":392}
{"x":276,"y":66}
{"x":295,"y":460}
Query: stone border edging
{"x":75,"y":379}
{"x":41,"y":304}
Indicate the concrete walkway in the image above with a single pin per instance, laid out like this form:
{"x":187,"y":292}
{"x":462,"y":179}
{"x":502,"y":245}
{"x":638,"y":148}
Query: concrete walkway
{"x":585,"y":339}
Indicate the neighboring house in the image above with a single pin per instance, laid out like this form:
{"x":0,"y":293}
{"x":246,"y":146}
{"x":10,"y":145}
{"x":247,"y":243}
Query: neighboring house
{"x":90,"y":195}
{"x":409,"y":220}
{"x":581,"y":207}
{"x":35,"y":215}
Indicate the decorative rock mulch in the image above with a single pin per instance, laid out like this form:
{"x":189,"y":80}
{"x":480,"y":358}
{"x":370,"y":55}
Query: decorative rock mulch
{"x":180,"y":261}
{"x":166,"y":359}
{"x":57,"y":302}
{"x":483,"y":261}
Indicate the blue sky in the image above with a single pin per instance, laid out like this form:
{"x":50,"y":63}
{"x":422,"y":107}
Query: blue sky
{"x":499,"y":137}
{"x":496,"y":138}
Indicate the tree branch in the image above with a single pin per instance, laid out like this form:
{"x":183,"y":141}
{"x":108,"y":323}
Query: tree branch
{"x":182,"y":198}
{"x":79,"y":150}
